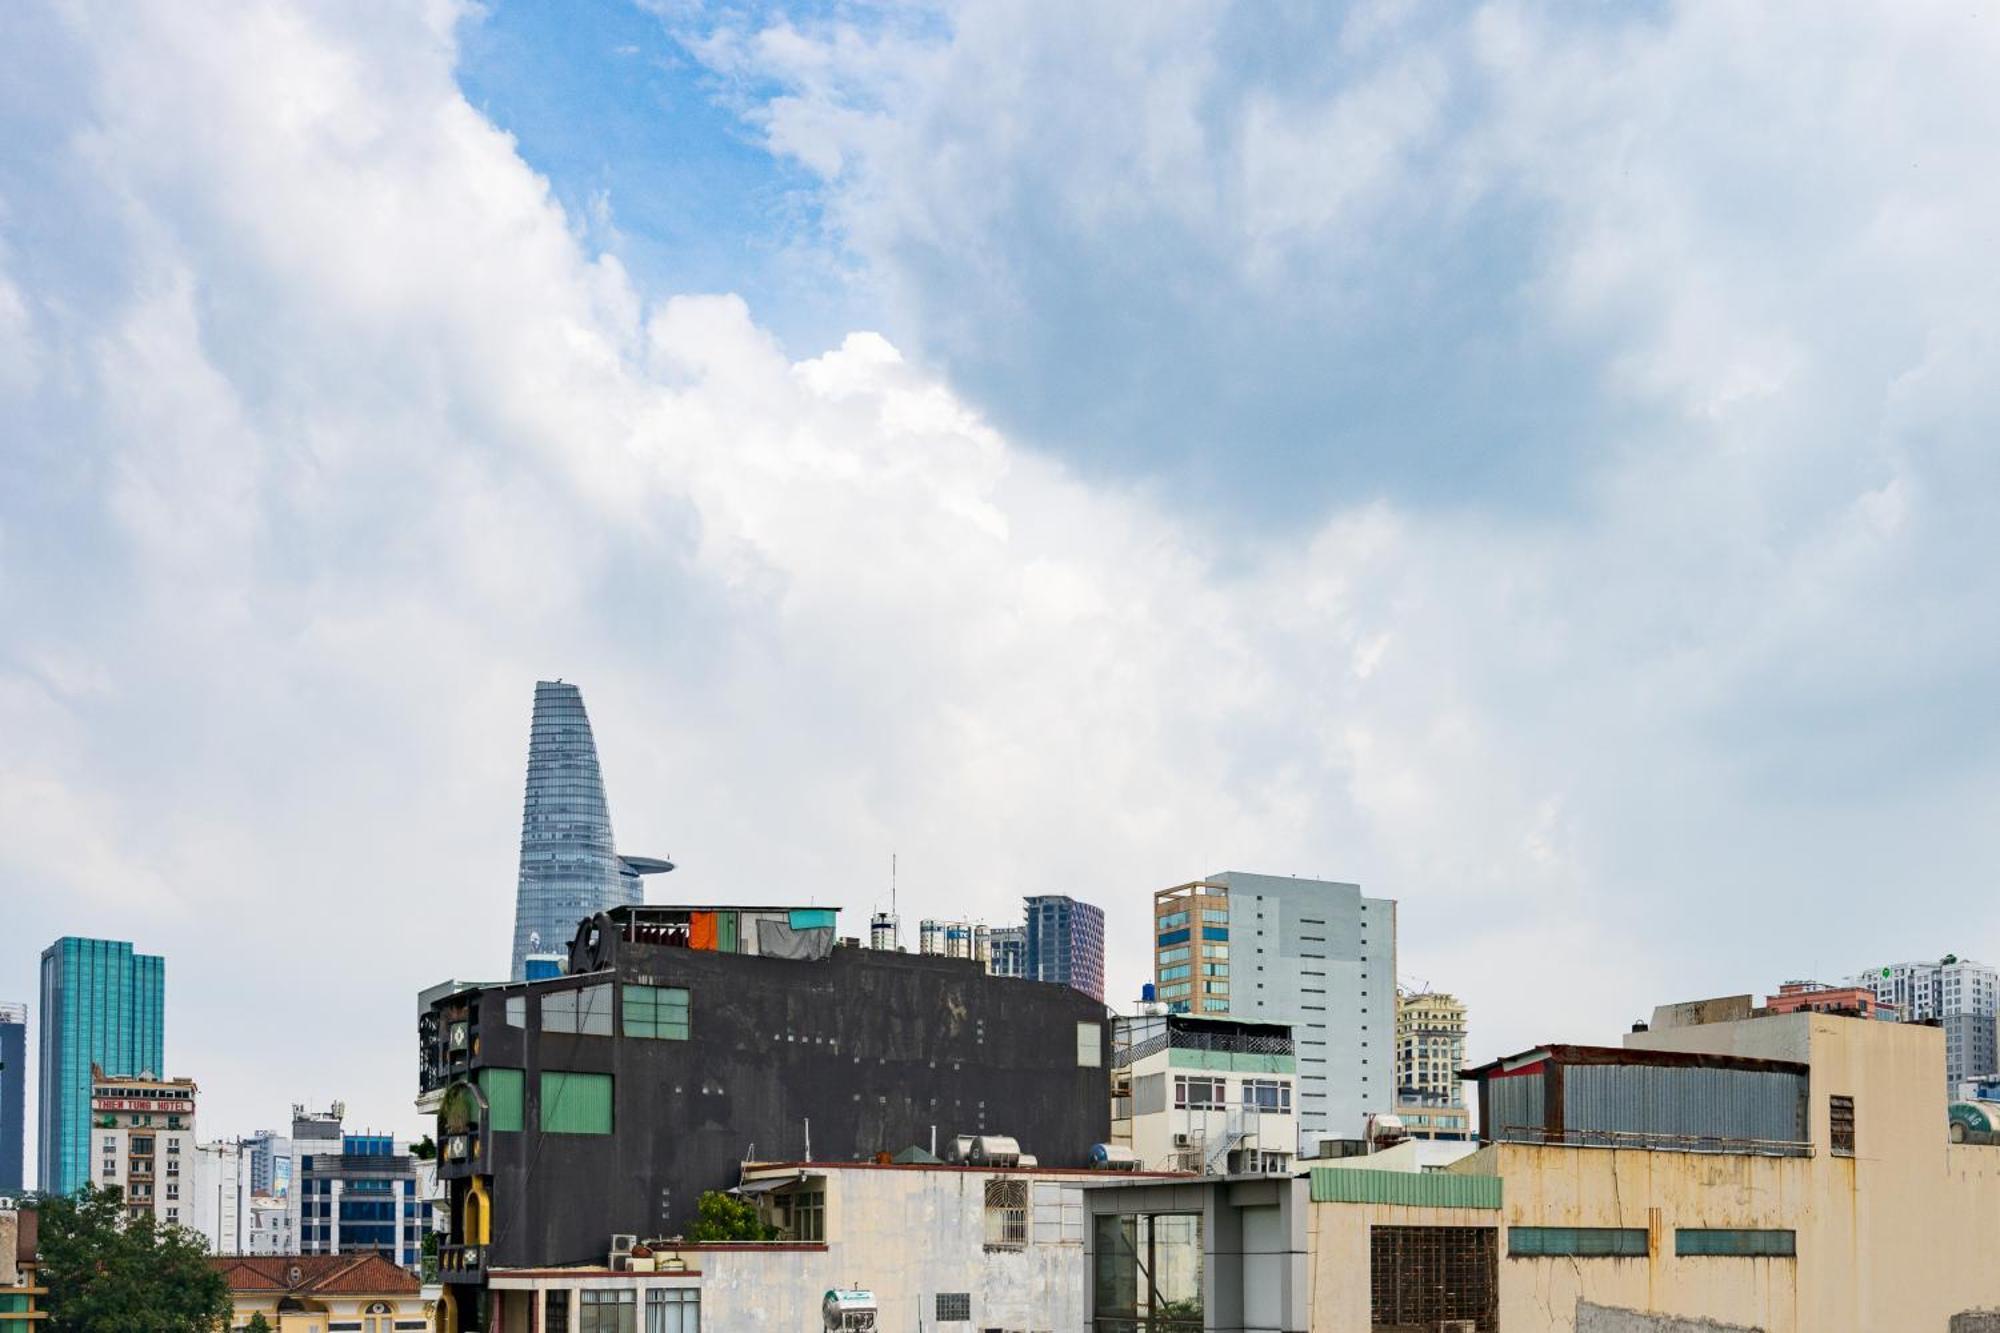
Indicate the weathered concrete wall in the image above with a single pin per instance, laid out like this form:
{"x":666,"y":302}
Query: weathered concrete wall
{"x":1609,"y":1319}
{"x":907,"y":1234}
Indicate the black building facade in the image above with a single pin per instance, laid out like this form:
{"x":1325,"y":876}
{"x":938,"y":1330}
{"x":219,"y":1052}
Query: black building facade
{"x":606,"y":1101}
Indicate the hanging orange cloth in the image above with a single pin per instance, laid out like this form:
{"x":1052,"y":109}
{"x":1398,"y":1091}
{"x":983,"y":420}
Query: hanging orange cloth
{"x":701,"y":930}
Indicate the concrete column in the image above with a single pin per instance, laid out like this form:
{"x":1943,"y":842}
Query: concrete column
{"x":333,"y":1219}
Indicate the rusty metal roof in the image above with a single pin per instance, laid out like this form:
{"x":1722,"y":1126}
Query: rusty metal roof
{"x":1622,"y":1055}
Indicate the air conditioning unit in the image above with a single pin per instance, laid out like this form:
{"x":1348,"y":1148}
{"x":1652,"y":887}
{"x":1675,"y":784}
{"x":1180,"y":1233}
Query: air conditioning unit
{"x":1184,"y":1140}
{"x":623,"y":1244}
{"x":621,"y":1263}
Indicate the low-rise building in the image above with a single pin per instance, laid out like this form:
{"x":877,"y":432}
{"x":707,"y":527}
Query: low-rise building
{"x":20,"y":1289}
{"x":1430,"y":1120}
{"x":142,"y":1141}
{"x":1819,"y":998}
{"x":1208,"y":1095}
{"x":326,"y":1293}
{"x":931,"y":1245}
{"x":270,"y":1230}
{"x":217,"y":1194}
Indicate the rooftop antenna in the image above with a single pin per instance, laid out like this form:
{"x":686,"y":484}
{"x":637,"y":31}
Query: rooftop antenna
{"x":892,"y":884}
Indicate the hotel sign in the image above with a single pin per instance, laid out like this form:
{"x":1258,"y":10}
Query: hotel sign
{"x":141,"y":1104}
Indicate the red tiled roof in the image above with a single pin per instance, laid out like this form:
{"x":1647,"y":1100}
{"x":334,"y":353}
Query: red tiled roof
{"x":316,"y":1274}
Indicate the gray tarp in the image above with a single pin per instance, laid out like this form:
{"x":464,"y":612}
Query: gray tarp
{"x":775,"y":939}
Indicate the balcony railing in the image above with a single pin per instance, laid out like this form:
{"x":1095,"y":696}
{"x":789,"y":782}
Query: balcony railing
{"x":462,"y":1263}
{"x":1233,"y":1043}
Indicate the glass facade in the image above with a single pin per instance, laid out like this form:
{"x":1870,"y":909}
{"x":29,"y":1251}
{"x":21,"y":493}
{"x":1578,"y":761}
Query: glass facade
{"x":102,"y":1004}
{"x":1065,"y":944}
{"x":569,"y":869}
{"x":13,"y":1096}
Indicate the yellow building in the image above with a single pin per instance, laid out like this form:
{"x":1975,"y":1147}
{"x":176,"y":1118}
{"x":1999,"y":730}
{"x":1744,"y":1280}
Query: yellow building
{"x":325,"y":1293}
{"x":20,"y":1288}
{"x":1430,"y":1049}
{"x":1788,"y":1174}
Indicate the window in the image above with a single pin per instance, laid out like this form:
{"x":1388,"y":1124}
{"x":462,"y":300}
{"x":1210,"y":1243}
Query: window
{"x":611,"y":1311}
{"x":1089,"y":1045}
{"x":555,"y":1312}
{"x":806,"y":1213}
{"x":504,"y":1089}
{"x":1058,"y":1213}
{"x":1267,"y":1094}
{"x":675,"y":1310}
{"x":1840,"y":1114}
{"x":1199,"y":1093}
{"x":1425,"y":1276}
{"x":1577,"y":1242}
{"x":575,"y":1103}
{"x":517,"y":1011}
{"x":954,"y":1307}
{"x":1006,"y":1214}
{"x":656,"y":1011}
{"x":1172,"y":920}
{"x":1735,"y":1242}
{"x":587,"y":1011}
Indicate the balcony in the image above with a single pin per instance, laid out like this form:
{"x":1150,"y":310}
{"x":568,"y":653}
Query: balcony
{"x":462,"y":1263}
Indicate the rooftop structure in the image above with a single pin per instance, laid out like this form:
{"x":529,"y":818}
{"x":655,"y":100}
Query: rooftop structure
{"x":361,"y":1292}
{"x":1819,"y":998}
{"x":570,"y":868}
{"x":1212,"y":1096}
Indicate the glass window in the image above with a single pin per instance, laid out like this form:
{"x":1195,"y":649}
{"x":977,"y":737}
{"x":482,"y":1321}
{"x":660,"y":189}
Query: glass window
{"x":674,"y":1310}
{"x":1007,"y":1214}
{"x":804,"y":1216}
{"x":1735,"y":1242}
{"x":1089,"y":1045}
{"x":1200,"y":1093}
{"x":1577,"y":1242}
{"x":586,"y":1011}
{"x":1175,"y":955}
{"x":555,"y":1312}
{"x":1173,"y":920}
{"x":656,"y":1011}
{"x":954,"y":1307}
{"x":517,"y":1011}
{"x":1148,"y":1271}
{"x":576,"y":1103}
{"x":615,"y":1310}
{"x":1174,"y":973}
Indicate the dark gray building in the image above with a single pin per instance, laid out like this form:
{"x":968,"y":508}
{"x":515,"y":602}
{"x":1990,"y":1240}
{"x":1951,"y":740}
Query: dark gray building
{"x":684,"y":1040}
{"x":13,"y":1096}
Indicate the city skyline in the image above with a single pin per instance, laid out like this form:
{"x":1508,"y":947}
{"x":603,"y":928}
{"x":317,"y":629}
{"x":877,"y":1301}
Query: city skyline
{"x":1431,"y":449}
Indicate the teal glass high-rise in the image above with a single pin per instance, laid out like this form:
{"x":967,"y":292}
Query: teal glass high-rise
{"x":569,"y":867}
{"x":102,"y":1005}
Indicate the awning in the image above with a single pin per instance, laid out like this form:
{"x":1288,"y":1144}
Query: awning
{"x":766,"y":1184}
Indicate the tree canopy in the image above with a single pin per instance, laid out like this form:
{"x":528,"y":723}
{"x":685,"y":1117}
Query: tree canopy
{"x":108,"y":1271}
{"x":719,"y":1216}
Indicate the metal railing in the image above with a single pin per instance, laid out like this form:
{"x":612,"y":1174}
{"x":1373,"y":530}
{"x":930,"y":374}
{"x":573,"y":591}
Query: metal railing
{"x":1232,"y":1043}
{"x":1616,"y":1138}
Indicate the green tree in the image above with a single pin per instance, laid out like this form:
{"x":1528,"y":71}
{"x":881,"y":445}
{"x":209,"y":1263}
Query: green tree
{"x":258,"y":1324}
{"x":424,"y":1149}
{"x":110,"y":1272}
{"x":719,"y":1216}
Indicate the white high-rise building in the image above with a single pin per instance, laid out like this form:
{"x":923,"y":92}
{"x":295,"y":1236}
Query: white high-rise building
{"x":1312,"y":953}
{"x":1960,"y":996}
{"x":142,"y":1141}
{"x":218,"y":1195}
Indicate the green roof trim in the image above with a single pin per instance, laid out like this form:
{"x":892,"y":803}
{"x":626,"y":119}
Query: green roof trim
{"x":1418,"y":1189}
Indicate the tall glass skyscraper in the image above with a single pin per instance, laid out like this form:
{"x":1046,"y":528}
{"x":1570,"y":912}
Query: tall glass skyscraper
{"x":569,"y":868}
{"x":13,"y":1095}
{"x":102,"y":1005}
{"x":1065,"y":944}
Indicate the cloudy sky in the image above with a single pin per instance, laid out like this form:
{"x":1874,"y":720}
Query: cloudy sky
{"x":1537,"y":464}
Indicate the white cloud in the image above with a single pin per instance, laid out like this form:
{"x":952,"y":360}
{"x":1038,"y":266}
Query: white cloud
{"x":352,"y":440}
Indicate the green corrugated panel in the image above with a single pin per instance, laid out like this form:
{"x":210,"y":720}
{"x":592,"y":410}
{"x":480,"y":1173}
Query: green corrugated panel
{"x":575,"y":1103}
{"x":1181,"y":1057}
{"x":726,"y":938}
{"x":503,"y":1089}
{"x":1420,"y":1189}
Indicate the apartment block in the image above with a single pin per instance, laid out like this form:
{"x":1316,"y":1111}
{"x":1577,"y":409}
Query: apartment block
{"x":142,"y":1142}
{"x":1315,"y":954}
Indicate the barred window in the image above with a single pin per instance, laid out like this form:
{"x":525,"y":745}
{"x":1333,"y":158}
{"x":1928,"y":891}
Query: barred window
{"x":1007,"y":1214}
{"x":1840,"y":1113}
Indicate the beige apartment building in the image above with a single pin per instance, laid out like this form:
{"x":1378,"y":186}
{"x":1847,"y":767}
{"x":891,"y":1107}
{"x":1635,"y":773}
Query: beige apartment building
{"x":1787,"y":1174}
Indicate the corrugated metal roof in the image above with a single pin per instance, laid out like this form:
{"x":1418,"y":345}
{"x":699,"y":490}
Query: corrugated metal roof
{"x":1421,"y":1189}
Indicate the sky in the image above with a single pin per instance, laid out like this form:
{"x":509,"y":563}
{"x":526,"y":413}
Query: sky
{"x":1535,"y":462}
